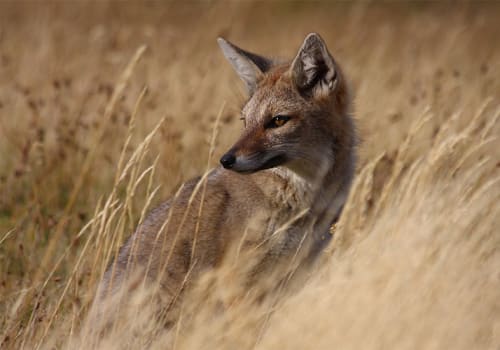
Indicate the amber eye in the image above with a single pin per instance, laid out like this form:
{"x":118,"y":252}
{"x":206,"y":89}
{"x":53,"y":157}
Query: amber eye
{"x":278,"y":121}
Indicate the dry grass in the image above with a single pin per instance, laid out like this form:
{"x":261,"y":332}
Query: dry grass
{"x":86,"y":150}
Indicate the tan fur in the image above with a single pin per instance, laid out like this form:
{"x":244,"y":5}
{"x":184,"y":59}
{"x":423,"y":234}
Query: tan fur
{"x":299,"y":198}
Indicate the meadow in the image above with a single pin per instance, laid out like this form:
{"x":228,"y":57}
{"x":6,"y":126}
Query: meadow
{"x":106,"y":108}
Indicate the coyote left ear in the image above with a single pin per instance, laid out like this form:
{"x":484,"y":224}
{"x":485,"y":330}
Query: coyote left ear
{"x":249,"y":66}
{"x":313,"y":69}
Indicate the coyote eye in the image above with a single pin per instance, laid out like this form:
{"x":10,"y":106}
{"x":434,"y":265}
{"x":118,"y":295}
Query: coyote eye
{"x":277,"y":121}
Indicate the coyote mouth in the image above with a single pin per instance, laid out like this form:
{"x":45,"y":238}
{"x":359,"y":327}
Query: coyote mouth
{"x":274,"y":162}
{"x":270,"y":163}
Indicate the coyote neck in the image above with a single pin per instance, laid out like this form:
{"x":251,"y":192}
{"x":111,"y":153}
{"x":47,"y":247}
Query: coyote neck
{"x":322,"y":187}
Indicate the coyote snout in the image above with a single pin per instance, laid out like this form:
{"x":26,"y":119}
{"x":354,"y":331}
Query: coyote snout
{"x":291,"y":168}
{"x":253,"y":162}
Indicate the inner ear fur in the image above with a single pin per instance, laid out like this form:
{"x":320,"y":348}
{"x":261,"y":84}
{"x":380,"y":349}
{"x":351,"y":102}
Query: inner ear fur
{"x":313,"y":69}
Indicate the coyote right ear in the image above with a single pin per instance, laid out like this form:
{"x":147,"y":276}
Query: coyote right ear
{"x":249,"y":66}
{"x":313,"y":69}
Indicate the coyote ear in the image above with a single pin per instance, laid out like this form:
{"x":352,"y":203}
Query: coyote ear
{"x":249,"y":66}
{"x":313,"y":69}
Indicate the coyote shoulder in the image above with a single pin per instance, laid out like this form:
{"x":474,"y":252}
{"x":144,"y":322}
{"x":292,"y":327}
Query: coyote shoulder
{"x":280,"y":186}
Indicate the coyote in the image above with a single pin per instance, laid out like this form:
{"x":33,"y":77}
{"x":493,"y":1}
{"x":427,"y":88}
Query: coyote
{"x":280,"y":187}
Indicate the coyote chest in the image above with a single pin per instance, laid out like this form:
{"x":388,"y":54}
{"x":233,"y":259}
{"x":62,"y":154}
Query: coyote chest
{"x":295,"y":192}
{"x":289,"y":199}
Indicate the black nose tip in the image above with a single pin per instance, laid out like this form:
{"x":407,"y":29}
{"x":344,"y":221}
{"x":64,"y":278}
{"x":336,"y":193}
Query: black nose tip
{"x":228,"y":160}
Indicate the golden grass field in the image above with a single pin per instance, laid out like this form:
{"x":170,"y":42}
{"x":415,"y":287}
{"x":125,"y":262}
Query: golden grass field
{"x":107,"y":107}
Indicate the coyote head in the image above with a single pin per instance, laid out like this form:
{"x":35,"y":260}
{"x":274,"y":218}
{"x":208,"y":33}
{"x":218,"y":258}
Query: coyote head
{"x":296,"y":111}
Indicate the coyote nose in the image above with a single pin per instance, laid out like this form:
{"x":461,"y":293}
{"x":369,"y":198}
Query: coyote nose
{"x":228,"y":160}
